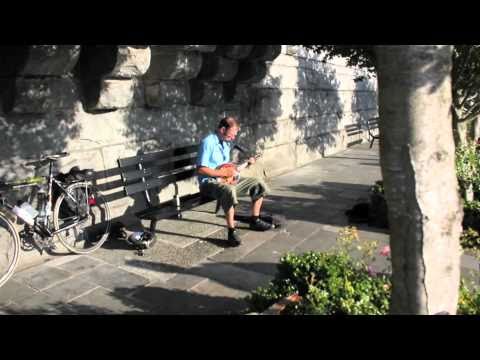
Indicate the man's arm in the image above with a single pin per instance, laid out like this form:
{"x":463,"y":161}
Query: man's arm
{"x":204,"y":154}
{"x":225,"y":172}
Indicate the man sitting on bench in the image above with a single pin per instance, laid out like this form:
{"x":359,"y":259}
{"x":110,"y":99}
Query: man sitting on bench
{"x":215,"y":151}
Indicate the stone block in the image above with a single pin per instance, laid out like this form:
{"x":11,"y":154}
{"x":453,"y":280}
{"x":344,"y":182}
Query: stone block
{"x":70,"y":289}
{"x":276,"y":133}
{"x":205,"y":93}
{"x":38,"y":60}
{"x":108,"y":94}
{"x":80,"y":264}
{"x":222,"y":299}
{"x":231,"y":276}
{"x":104,"y":302}
{"x":40,"y":278}
{"x":321,"y":241}
{"x":235,"y":52}
{"x":183,"y":281}
{"x":217,"y":68}
{"x":113,"y":278}
{"x":267,"y":105}
{"x":84,"y":160}
{"x":38,"y":304}
{"x":282,"y":77}
{"x":112,"y":61}
{"x":167,"y":92}
{"x":271,"y":165}
{"x":265,"y":52}
{"x":306,"y":153}
{"x":251,"y":71}
{"x":131,"y":61}
{"x":250,"y":241}
{"x":38,"y":96}
{"x":180,"y":65}
{"x":14,"y":291}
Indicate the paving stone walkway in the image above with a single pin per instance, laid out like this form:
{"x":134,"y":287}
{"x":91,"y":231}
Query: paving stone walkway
{"x":190,"y":270}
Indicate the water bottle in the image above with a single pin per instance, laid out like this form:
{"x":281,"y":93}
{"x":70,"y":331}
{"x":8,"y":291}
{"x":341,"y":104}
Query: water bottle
{"x":26,"y":212}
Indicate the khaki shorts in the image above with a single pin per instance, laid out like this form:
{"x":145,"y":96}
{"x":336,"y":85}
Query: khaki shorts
{"x":227,"y":194}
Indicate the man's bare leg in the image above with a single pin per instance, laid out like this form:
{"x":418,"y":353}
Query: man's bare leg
{"x":256,"y":206}
{"x":233,"y":238}
{"x":256,"y":223}
{"x":230,"y":216}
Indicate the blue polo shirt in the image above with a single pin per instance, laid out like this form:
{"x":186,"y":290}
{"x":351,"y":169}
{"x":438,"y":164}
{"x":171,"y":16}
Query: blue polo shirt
{"x":212,"y":153}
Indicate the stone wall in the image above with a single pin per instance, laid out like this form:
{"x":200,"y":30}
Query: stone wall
{"x":104,"y":102}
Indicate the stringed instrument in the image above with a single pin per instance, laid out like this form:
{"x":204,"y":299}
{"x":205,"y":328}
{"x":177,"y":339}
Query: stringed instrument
{"x":233,"y":180}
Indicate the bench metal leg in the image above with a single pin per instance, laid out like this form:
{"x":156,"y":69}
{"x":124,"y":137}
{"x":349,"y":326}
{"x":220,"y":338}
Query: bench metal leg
{"x":217,"y":207}
{"x":371,"y":142}
{"x":177,"y":202}
{"x":153,"y":226}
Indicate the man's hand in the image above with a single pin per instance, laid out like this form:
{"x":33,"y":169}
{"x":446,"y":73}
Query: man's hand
{"x":228,"y":172}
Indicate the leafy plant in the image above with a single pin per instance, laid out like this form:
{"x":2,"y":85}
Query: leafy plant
{"x":378,"y":188}
{"x":470,"y":239}
{"x":469,"y":299}
{"x":336,"y":282}
{"x":329,"y":283}
{"x":467,"y":166}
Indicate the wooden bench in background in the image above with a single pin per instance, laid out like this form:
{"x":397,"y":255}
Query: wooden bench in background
{"x":356,"y":129}
{"x":372,"y":127}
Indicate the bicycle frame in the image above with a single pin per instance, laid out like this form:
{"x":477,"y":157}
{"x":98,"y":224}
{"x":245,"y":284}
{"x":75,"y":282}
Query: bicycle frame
{"x":40,"y":228}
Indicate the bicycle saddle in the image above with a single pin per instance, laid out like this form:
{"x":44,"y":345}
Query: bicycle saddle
{"x":46,"y":159}
{"x":4,"y":186}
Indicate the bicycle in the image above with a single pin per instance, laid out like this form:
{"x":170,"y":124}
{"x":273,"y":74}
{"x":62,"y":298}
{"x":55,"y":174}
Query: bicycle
{"x":74,"y":211}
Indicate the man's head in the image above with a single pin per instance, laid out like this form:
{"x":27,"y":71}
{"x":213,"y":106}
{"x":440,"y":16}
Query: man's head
{"x":228,"y":128}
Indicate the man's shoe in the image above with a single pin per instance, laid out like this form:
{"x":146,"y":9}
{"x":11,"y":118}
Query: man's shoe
{"x":260,"y":225}
{"x":233,"y":238}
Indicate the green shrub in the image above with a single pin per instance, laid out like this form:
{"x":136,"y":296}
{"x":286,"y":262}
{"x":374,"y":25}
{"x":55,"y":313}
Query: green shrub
{"x":468,"y":299}
{"x":334,"y":283}
{"x":329,"y":283}
{"x":378,"y":188}
{"x":470,"y":239}
{"x":467,"y":166}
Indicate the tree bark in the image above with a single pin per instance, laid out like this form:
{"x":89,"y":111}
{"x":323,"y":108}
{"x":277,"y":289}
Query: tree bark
{"x":417,"y":159}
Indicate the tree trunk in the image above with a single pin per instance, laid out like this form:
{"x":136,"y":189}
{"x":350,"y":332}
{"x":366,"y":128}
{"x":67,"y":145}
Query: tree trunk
{"x":417,"y":160}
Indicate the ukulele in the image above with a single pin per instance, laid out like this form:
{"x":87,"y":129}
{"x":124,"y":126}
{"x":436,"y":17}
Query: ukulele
{"x":233,"y":180}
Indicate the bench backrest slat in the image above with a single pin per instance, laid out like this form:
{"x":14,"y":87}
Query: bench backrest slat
{"x":157,"y":156}
{"x":159,"y":182}
{"x":373,"y":123}
{"x":157,"y":170}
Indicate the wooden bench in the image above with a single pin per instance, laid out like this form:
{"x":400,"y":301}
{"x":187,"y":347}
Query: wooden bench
{"x":147,"y":172}
{"x":356,"y":129}
{"x":353,"y":130}
{"x":372,"y":127}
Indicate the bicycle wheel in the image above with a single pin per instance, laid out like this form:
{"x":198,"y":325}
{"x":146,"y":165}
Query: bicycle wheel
{"x":9,"y":249}
{"x":90,"y":210}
